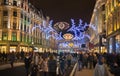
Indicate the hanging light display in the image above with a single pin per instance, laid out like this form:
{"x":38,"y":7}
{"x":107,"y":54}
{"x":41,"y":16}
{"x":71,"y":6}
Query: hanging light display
{"x":60,"y":26}
{"x":68,"y":36}
{"x":74,"y":33}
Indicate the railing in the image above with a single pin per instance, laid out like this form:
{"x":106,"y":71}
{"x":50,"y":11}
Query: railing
{"x":74,"y":70}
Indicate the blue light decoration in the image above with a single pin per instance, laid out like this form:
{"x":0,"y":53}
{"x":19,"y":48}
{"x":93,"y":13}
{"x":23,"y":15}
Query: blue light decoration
{"x":36,"y":26}
{"x":74,"y":29}
{"x":77,"y":29}
{"x":59,"y":37}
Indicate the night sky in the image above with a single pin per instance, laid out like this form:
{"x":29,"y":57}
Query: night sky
{"x":64,"y":10}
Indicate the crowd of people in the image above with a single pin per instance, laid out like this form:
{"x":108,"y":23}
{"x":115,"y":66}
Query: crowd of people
{"x":11,"y":57}
{"x":102,"y":63}
{"x":53,"y":64}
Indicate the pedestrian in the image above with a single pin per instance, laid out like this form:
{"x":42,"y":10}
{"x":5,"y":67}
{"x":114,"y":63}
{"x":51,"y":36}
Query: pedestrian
{"x":80,"y":61}
{"x":69,"y":59}
{"x":94,"y":60}
{"x":12,"y":59}
{"x":85,"y":61}
{"x":52,"y":65}
{"x":90,"y":60}
{"x":44,"y":67}
{"x":101,"y":67}
{"x":34,"y":70}
{"x":62,"y":65}
{"x":22,"y":54}
{"x":27,"y":62}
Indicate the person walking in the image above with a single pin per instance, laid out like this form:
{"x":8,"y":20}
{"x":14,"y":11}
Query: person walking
{"x":62,"y":65}
{"x":101,"y":68}
{"x":52,"y":65}
{"x":80,"y":61}
{"x":69,"y":59}
{"x":12,"y":59}
{"x":27,"y":62}
{"x":44,"y":67}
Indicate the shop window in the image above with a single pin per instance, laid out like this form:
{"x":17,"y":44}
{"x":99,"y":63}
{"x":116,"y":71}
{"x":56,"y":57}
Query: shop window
{"x":5,"y":23}
{"x":14,"y":36}
{"x":15,"y":13}
{"x":5,"y":13}
{"x":4,"y":36}
{"x":14,"y":3}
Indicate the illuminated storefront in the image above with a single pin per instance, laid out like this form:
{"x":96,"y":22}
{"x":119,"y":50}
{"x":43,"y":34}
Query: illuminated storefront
{"x":17,"y":21}
{"x":113,"y":25}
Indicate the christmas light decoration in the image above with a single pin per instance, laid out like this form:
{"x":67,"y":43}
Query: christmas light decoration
{"x":78,"y":34}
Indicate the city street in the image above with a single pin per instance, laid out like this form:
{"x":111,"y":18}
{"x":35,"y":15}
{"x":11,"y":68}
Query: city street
{"x":59,"y":37}
{"x":16,"y":71}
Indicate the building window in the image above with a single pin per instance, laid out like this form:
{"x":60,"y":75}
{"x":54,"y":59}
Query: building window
{"x":14,"y":26}
{"x":14,"y":36}
{"x":21,"y":15}
{"x":103,"y":7}
{"x":118,"y":1}
{"x":4,"y":36}
{"x":5,"y":13}
{"x":27,"y":39}
{"x":5,"y":23}
{"x":24,"y":37}
{"x":14,"y":3}
{"x":15,"y":13}
{"x":25,"y":28}
{"x":21,"y":37}
{"x":5,"y":2}
{"x":25,"y":17}
{"x":21,"y":27}
{"x":30,"y":39}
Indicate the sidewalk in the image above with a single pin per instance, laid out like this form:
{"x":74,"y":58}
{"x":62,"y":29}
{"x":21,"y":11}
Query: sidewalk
{"x":85,"y":72}
{"x":7,"y":66}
